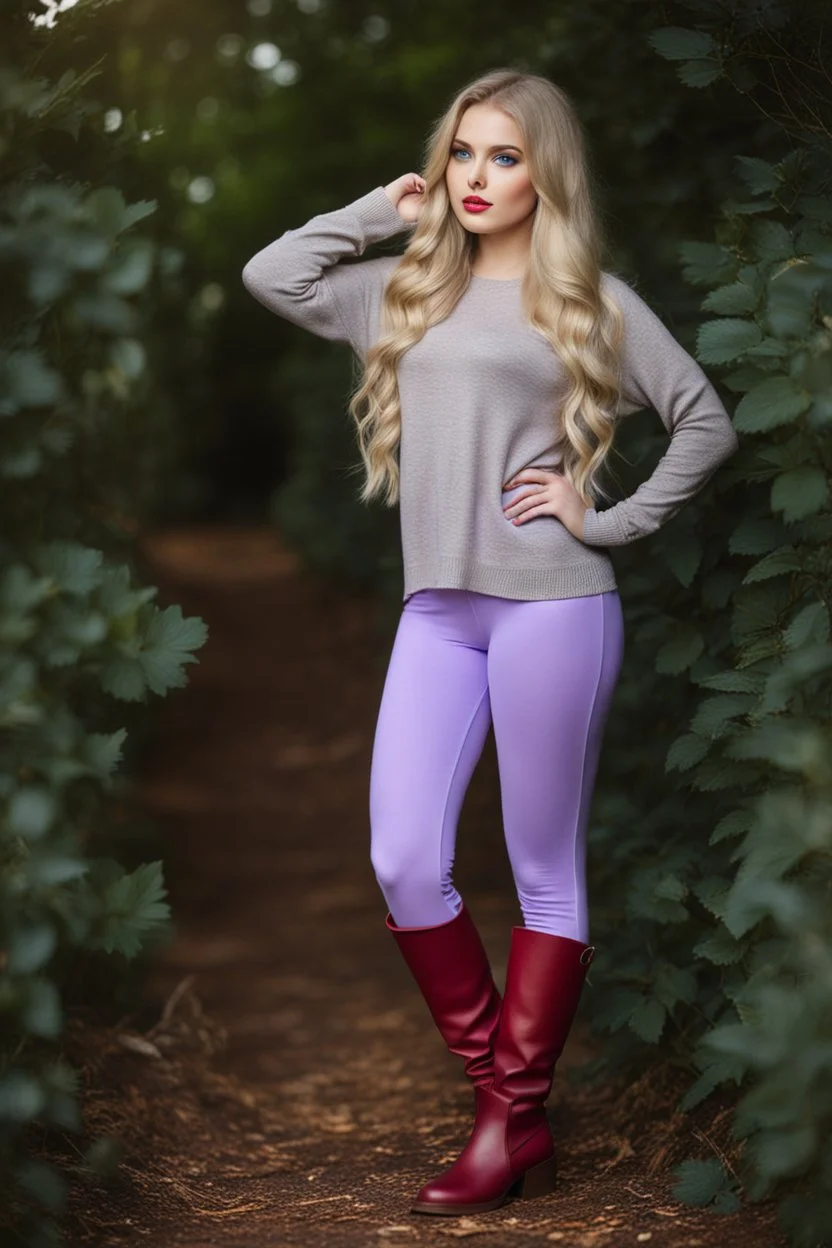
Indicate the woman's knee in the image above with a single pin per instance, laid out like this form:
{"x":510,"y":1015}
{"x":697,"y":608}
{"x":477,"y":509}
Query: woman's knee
{"x":397,"y":867}
{"x":415,"y":894}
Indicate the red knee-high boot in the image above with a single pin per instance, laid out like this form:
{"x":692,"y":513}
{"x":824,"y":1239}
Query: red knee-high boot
{"x":451,"y":968}
{"x":511,"y":1151}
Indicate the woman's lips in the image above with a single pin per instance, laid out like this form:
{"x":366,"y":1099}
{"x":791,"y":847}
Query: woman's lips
{"x":472,"y":206}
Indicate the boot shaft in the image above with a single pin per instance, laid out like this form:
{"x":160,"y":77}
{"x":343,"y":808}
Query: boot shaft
{"x":451,"y":968}
{"x":544,"y":981}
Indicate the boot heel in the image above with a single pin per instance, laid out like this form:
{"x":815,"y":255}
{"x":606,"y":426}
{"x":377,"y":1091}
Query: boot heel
{"x":539,"y":1181}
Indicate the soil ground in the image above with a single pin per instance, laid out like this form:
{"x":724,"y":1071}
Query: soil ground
{"x":291,"y":1090}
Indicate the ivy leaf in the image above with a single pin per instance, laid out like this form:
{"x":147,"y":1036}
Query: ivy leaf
{"x":733,"y":682}
{"x":123,"y":677}
{"x":704,"y":264}
{"x":776,"y":401}
{"x":717,"y":1070}
{"x":735,"y":823}
{"x":685,"y":752}
{"x":132,"y":905}
{"x":744,"y":377}
{"x":760,"y":609}
{"x":810,"y":624}
{"x":714,"y":713}
{"x":721,"y":948}
{"x":800,"y":492}
{"x":699,"y":73}
{"x":700,"y":1181}
{"x":168,"y":644}
{"x":780,"y":562}
{"x":74,"y":568}
{"x":731,"y":300}
{"x":757,"y":535}
{"x":647,"y":1020}
{"x":720,"y":342}
{"x":669,"y":886}
{"x":793,"y":676}
{"x":117,"y":597}
{"x":769,"y":241}
{"x":21,"y":590}
{"x":673,"y":984}
{"x":758,"y":174}
{"x":138,"y":211}
{"x":675,"y":43}
{"x":102,"y":752}
{"x":713,"y":892}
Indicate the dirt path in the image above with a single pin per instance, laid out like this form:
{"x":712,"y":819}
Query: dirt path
{"x":301,"y":1095}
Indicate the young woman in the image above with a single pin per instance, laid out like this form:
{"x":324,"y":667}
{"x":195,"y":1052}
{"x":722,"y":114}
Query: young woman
{"x":497,"y":356}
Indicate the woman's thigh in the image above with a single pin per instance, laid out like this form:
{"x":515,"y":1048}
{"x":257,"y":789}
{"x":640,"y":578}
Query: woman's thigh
{"x":552,"y":667}
{"x":432,"y":724}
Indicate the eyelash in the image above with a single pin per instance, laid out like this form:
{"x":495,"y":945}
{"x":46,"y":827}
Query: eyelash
{"x":458,"y":150}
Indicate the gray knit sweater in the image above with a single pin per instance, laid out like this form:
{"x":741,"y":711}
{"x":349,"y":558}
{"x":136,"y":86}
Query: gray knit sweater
{"x":478,"y":394}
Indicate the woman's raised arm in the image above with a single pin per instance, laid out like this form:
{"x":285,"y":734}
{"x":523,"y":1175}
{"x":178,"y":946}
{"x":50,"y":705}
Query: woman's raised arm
{"x":289,"y":275}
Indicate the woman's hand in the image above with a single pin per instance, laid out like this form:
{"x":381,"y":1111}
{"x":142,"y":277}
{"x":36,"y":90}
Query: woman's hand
{"x":407,"y":195}
{"x":551,"y":495}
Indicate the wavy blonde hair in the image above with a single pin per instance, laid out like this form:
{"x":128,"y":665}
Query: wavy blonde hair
{"x":561,"y":291}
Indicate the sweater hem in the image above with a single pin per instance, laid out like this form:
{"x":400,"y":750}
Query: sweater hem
{"x":527,"y":584}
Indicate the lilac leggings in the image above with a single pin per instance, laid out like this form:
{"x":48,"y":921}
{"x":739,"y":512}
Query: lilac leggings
{"x":545,"y":672}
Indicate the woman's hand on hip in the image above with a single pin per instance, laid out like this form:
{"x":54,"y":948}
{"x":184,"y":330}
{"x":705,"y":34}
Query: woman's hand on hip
{"x":407,"y":195}
{"x":550,"y":494}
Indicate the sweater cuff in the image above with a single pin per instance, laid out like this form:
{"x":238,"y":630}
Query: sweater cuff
{"x":379,"y":219}
{"x":601,"y":528}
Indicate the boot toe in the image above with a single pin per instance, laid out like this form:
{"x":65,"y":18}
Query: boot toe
{"x":434,"y":1198}
{"x":456,"y":1191}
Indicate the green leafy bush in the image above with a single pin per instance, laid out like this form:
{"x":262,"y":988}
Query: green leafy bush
{"x":77,"y":630}
{"x":726,"y":958}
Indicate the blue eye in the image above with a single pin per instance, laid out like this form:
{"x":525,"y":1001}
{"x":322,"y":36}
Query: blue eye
{"x":458,"y":151}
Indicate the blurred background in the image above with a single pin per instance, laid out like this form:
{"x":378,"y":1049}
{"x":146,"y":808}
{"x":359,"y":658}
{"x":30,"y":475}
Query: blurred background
{"x":179,"y":487}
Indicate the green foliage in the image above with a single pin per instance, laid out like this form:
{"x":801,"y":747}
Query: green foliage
{"x":745,"y":874}
{"x":76,"y":629}
{"x":707,"y":1184}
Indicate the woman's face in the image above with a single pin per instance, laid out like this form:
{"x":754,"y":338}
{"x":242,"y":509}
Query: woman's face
{"x":487,"y":160}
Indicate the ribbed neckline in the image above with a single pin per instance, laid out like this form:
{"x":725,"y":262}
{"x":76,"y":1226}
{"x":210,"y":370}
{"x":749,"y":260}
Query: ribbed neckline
{"x":505,"y":281}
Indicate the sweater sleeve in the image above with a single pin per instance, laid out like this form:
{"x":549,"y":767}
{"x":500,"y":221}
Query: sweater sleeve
{"x":657,"y":372}
{"x":298,"y":276}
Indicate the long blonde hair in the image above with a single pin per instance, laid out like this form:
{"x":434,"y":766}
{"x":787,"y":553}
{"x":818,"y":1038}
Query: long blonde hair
{"x":561,"y":292}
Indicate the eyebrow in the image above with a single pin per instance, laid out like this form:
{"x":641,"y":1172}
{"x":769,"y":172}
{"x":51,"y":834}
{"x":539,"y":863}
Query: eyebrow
{"x":496,"y":147}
